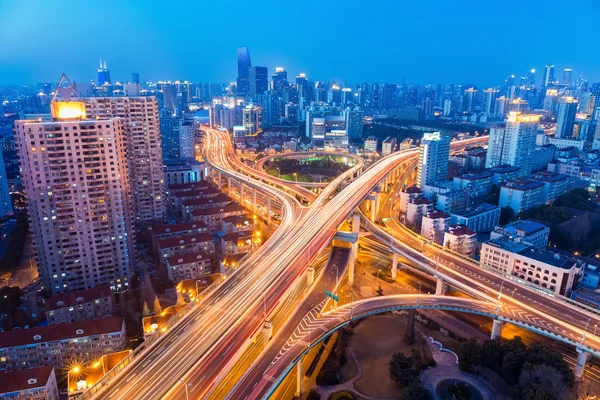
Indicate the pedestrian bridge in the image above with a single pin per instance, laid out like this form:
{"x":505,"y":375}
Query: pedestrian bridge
{"x":329,"y":322}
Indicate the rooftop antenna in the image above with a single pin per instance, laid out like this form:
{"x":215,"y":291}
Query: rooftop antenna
{"x":66,"y":92}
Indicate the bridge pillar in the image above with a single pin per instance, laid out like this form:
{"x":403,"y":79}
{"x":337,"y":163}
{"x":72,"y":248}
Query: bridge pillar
{"x":254,"y":201}
{"x":582,"y":359}
{"x":267,"y":333}
{"x":242,"y":193}
{"x":440,"y":286}
{"x":268,"y":210}
{"x":377,"y":204}
{"x":299,"y":377}
{"x":229,"y":186}
{"x":410,"y":326}
{"x":497,"y":329}
{"x":356,"y":222}
{"x":351,"y":260}
{"x":310,"y":276}
{"x":394,"y":265}
{"x":219,"y":180}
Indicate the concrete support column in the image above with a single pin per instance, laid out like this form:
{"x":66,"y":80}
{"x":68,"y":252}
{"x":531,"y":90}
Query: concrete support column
{"x":410,"y":326}
{"x":394,"y":265}
{"x":497,"y":329}
{"x":351,"y":263}
{"x":440,"y":286}
{"x":299,"y":377}
{"x":310,"y":276}
{"x":267,"y":332}
{"x":242,"y":193}
{"x":356,"y":222}
{"x":268,"y":210}
{"x":582,"y":359}
{"x":377,"y":204}
{"x":219,"y":180}
{"x":372,"y":207}
{"x":254,"y":201}
{"x":229,"y":187}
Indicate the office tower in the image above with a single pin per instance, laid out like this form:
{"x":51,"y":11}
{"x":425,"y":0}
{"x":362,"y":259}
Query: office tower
{"x":244,"y":64}
{"x":548,"y":78}
{"x":565,"y":120}
{"x":469,"y":99}
{"x":447,"y":107}
{"x":550,"y":102}
{"x":103,"y":74}
{"x":258,"y":80}
{"x":169,"y":99}
{"x":279,"y":81}
{"x":252,"y":119}
{"x":489,"y":101}
{"x":170,"y":133}
{"x":519,"y":144}
{"x":530,"y":81}
{"x":567,"y":76}
{"x":75,"y":178}
{"x":135,"y":77}
{"x":354,"y":123}
{"x":301,"y":86}
{"x":496,"y":144}
{"x":142,"y":142}
{"x":5,"y":201}
{"x":433,"y":159}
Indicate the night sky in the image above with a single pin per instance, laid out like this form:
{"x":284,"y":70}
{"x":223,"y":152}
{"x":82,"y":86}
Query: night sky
{"x":426,"y":41}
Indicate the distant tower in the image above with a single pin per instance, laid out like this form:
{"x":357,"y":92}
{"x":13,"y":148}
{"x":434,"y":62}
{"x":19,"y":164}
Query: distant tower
{"x":565,"y":120}
{"x":103,"y":74}
{"x":567,"y":76}
{"x":548,"y":76}
{"x":135,"y":77}
{"x":244,"y":65}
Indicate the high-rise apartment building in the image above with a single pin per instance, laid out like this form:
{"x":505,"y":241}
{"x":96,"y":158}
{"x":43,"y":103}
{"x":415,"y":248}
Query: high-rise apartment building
{"x":75,"y":176}
{"x":177,"y":138}
{"x":519,"y":144}
{"x":354,"y":123}
{"x":565,"y":120}
{"x":433,"y":159}
{"x":5,"y":201}
{"x":142,"y":141}
{"x":489,"y":101}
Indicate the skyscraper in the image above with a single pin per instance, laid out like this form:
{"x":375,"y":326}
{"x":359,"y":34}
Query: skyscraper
{"x":495,"y":154}
{"x":142,"y":142}
{"x":567,"y":76}
{"x":565,"y":120}
{"x":258,"y":79}
{"x":433,"y":159}
{"x":548,"y":78}
{"x":5,"y":201}
{"x":170,"y":132}
{"x":103,"y":74}
{"x":489,"y":101}
{"x":519,"y":144}
{"x":354,"y":123}
{"x":244,"y":64}
{"x":75,"y":179}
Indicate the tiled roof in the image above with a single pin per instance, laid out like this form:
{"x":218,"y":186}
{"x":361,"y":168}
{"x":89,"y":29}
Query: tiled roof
{"x":218,"y":199}
{"x":460,"y":230}
{"x":174,"y":228}
{"x":190,"y":185}
{"x":70,"y":299}
{"x":41,"y":334}
{"x":15,"y":381}
{"x":231,"y":207}
{"x":184,"y":239}
{"x":188,"y":258}
{"x":205,"y":192}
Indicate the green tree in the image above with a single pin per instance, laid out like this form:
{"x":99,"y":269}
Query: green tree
{"x":402,"y":369}
{"x":469,"y":354}
{"x":145,"y":310}
{"x":156,"y":308}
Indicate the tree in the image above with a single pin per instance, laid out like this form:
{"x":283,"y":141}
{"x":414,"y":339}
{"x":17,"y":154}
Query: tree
{"x":156,"y":307}
{"x":469,"y":354}
{"x":379,"y":291}
{"x":146,"y":310}
{"x":402,"y":369}
{"x":532,"y":392}
{"x":415,"y":391}
{"x":147,"y":290}
{"x":546,"y":377}
{"x":313,"y":395}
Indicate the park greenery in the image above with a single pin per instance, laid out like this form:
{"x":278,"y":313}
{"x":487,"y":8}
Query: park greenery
{"x":302,"y":170}
{"x":16,"y":244}
{"x":404,"y":371}
{"x":534,"y":372}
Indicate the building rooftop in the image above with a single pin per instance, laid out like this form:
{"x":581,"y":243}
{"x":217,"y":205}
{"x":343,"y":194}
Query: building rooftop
{"x":41,"y":334}
{"x":459,"y":230}
{"x":236,"y":237}
{"x":589,"y":294}
{"x":189,"y":186}
{"x":239,"y":220}
{"x":476,"y":176}
{"x":480,"y":209}
{"x":435,"y":214}
{"x":502,"y":169}
{"x":204,"y":192}
{"x":176,"y":228}
{"x":547,"y":176}
{"x":389,"y":139}
{"x":548,"y":257}
{"x":184,"y":239}
{"x":522,"y":184}
{"x":521,"y":228}
{"x":203,"y":201}
{"x":505,"y":243}
{"x":231,"y":207}
{"x":27,"y":379}
{"x":233,"y":259}
{"x":412,"y":189}
{"x":419,"y":201}
{"x":79,"y":297}
{"x":188,"y":258}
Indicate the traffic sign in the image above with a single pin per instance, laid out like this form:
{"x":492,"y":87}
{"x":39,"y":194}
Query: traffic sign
{"x":333,"y":296}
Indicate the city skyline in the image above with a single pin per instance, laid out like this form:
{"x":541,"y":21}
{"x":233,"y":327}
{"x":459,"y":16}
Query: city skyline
{"x":442,"y":52}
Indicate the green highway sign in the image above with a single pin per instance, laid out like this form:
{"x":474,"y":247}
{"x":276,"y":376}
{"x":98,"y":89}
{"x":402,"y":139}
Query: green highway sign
{"x":333,"y":296}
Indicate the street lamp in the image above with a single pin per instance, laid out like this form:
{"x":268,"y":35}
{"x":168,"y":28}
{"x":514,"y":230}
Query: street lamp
{"x":75,"y":370}
{"x":185,"y":384}
{"x":595,"y":327}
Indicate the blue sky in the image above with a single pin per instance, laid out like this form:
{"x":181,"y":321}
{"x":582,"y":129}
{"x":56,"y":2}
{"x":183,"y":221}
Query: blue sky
{"x":434,"y":41}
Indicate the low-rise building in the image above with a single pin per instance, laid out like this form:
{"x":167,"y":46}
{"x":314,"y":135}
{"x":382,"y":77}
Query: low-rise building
{"x":371,"y":144}
{"x":175,"y":230}
{"x":482,"y":218}
{"x":407,"y":195}
{"x":503,"y":173}
{"x":460,"y":239}
{"x":61,"y":345}
{"x":238,"y":223}
{"x":29,"y":384}
{"x":237,"y":242}
{"x":416,"y":209}
{"x":189,"y":205}
{"x":434,"y":224}
{"x":566,"y":142}
{"x":388,"y":146}
{"x":478,"y":186}
{"x":94,"y":303}
{"x":213,"y":216}
{"x":521,"y":194}
{"x":188,"y":266}
{"x":182,"y":171}
{"x":525,"y":231}
{"x":554,"y":184}
{"x":590,"y":298}
{"x":528,"y":264}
